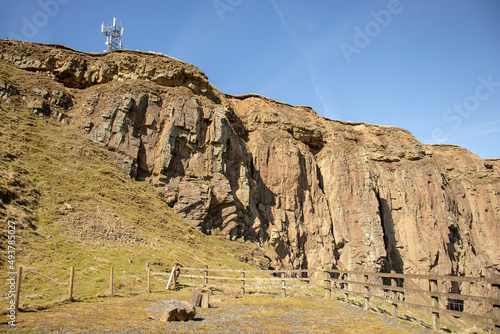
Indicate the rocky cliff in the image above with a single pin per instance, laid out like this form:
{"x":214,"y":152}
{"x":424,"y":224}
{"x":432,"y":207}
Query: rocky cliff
{"x":312,"y":192}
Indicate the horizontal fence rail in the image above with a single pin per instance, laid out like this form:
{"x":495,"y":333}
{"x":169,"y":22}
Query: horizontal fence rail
{"x":475,"y":298}
{"x":428,"y":293}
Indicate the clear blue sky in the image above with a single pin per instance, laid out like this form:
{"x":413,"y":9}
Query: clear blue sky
{"x":429,"y":66}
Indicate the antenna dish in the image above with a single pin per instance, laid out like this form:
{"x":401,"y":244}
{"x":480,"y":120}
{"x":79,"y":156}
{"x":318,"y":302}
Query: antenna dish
{"x":113,"y":35}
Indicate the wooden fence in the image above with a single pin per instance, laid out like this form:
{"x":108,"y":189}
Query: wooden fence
{"x":19,"y":275}
{"x":476,"y":298}
{"x":428,"y":293}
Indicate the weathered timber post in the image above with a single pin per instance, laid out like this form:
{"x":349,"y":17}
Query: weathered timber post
{"x":111,"y":282}
{"x":174,"y":276}
{"x":328,"y":284}
{"x":283,"y":284}
{"x":394,"y":295}
{"x":345,"y":288}
{"x":367,"y":294}
{"x":205,"y":274}
{"x":433,"y":287}
{"x":148,"y":269}
{"x":71,"y":280}
{"x":495,"y":289}
{"x":242,"y":281}
{"x":205,"y":300}
{"x":18,"y":287}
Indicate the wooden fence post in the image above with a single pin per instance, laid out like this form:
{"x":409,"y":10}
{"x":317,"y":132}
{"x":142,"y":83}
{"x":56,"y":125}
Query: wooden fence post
{"x":243,"y":281}
{"x":328,"y":284}
{"x":433,"y":286}
{"x":346,"y":288}
{"x":18,"y":287}
{"x":148,"y":268}
{"x":71,"y":280}
{"x":111,"y":282}
{"x":205,"y":274}
{"x":394,"y":295}
{"x":205,"y":300}
{"x":496,"y":306}
{"x":367,"y":294}
{"x":174,"y":277}
{"x":283,"y":284}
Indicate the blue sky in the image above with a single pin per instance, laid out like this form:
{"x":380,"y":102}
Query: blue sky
{"x":429,"y":66}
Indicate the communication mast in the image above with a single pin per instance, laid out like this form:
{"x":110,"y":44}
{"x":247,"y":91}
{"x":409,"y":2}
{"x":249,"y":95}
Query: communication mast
{"x":113,"y":34}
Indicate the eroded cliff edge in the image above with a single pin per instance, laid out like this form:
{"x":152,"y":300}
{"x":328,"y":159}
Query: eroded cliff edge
{"x":312,"y":192}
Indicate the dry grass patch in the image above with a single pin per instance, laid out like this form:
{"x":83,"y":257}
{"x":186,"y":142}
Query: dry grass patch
{"x":249,"y":314}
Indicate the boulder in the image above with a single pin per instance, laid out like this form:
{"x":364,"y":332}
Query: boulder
{"x":171,"y":310}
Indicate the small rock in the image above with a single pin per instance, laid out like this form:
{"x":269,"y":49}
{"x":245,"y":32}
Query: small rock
{"x":69,"y":207}
{"x":171,"y":310}
{"x":231,"y":293}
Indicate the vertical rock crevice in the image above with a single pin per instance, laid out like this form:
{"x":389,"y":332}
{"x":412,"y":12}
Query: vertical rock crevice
{"x":394,"y":260}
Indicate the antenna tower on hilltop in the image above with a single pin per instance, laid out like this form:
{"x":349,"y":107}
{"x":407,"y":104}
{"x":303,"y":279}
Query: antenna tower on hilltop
{"x":113,"y":34}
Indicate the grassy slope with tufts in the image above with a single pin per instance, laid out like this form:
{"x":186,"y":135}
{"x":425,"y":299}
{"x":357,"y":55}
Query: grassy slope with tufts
{"x":86,"y":212}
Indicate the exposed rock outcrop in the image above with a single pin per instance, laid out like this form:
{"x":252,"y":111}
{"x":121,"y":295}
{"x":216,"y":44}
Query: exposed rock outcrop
{"x":312,"y":192}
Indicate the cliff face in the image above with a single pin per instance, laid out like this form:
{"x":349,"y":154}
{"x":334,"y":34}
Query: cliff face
{"x":312,"y":192}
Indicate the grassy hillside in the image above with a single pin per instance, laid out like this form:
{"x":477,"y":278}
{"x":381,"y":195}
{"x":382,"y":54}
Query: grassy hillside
{"x":73,"y":207}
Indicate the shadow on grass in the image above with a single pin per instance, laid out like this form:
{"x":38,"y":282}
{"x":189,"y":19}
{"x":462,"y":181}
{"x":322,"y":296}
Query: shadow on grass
{"x":381,"y":311}
{"x":413,"y":319}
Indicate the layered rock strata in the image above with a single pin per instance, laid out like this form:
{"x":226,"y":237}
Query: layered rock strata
{"x":312,"y":192}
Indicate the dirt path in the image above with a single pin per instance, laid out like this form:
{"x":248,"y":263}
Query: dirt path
{"x":251,"y":314}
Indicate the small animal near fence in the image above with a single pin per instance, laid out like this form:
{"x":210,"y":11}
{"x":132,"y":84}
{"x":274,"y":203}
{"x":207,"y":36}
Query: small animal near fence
{"x":427,"y":293}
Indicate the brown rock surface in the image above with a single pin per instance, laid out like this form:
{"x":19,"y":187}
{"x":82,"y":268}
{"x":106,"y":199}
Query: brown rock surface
{"x":171,"y":310}
{"x":311,"y":192}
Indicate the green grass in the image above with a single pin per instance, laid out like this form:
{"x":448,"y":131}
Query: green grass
{"x":60,"y":164}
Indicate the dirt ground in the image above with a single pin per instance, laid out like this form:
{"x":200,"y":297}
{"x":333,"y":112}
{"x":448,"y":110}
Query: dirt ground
{"x":249,"y":314}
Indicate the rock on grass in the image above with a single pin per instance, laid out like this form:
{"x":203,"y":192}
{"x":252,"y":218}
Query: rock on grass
{"x":171,"y":310}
